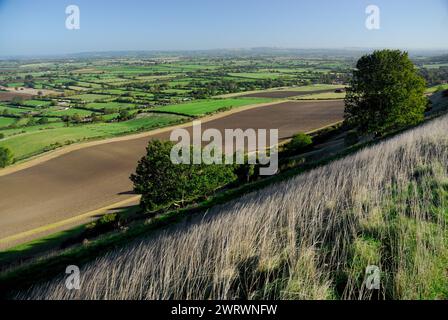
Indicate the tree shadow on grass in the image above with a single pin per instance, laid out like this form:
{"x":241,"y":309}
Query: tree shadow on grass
{"x":48,"y":244}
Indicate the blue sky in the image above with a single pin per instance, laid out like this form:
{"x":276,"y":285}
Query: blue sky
{"x":33,"y":27}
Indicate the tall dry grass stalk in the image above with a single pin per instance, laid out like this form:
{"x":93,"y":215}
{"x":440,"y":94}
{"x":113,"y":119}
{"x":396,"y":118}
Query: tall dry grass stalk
{"x":310,"y":237}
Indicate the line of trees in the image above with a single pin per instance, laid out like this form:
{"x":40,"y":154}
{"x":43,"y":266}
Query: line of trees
{"x":435,"y":76}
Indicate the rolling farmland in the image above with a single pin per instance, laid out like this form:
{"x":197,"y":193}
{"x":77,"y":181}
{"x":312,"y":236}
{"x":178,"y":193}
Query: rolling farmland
{"x":92,"y":177}
{"x":78,"y":129}
{"x":47,"y":105}
{"x":248,"y":152}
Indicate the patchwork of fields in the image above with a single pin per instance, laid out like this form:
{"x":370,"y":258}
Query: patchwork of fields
{"x":35,"y":141}
{"x":45,"y":105}
{"x":208,"y":106}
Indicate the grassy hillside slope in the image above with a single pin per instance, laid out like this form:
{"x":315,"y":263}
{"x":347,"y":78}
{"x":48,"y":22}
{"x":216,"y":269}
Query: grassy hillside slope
{"x":311,"y":237}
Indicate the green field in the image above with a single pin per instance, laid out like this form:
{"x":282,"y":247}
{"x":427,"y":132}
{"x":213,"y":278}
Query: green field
{"x":14,"y":110}
{"x":189,"y":86}
{"x":314,"y":87}
{"x":36,"y":103}
{"x":4,"y":122}
{"x":34,"y":142}
{"x":109,"y":105}
{"x":435,"y":65}
{"x":90,"y":97}
{"x":88,"y":84}
{"x":202,"y":107}
{"x":57,"y":112}
{"x":258,"y":75}
{"x":125,"y":70}
{"x":437,"y":88}
{"x":111,"y":91}
{"x":307,"y":88}
{"x":15,"y":84}
{"x":10,"y":132}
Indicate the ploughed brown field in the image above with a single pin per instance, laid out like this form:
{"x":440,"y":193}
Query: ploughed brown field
{"x":284,"y":94}
{"x":97,"y":176}
{"x":9,"y":95}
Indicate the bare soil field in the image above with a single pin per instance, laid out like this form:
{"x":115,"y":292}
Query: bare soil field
{"x":288,"y":117}
{"x":97,"y":176}
{"x":23,"y":92}
{"x":9,"y":95}
{"x":284,"y":94}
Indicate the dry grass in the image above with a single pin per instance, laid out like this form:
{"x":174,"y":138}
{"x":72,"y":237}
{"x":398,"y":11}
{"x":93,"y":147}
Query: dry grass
{"x":308,"y":238}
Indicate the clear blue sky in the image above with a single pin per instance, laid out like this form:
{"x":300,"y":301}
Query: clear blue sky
{"x":38,"y":26}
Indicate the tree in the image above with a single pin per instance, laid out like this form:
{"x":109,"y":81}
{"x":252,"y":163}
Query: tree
{"x":66,"y":120}
{"x":31,"y":122}
{"x":43,"y":120}
{"x":386,"y":93}
{"x":95,"y":117}
{"x":76,"y":118}
{"x":157,"y":179}
{"x":6,"y":157}
{"x":162,"y":183}
{"x":124,"y":115}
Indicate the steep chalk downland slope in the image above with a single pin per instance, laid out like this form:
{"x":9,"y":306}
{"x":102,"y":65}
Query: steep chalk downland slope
{"x":311,"y":237}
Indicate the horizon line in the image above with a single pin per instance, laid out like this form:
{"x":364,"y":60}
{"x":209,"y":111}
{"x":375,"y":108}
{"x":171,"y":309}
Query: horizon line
{"x":43,"y":55}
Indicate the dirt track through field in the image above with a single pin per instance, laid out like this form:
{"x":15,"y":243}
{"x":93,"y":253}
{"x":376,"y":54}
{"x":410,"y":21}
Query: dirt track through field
{"x":97,"y":176}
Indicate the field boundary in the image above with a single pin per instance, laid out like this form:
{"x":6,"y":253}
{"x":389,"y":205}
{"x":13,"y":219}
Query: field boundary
{"x":270,"y":90}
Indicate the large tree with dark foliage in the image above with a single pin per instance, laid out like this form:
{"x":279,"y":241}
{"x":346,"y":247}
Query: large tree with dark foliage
{"x":386,"y":93}
{"x":163,"y":183}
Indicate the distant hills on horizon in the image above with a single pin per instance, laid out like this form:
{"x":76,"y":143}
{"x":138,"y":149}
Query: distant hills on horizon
{"x":259,"y":51}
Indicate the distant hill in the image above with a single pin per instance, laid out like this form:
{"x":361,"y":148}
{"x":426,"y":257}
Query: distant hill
{"x":230,"y":52}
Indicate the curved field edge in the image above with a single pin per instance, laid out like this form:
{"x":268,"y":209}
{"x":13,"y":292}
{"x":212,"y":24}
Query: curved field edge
{"x":310,"y":237}
{"x":56,"y":149}
{"x":30,"y":144}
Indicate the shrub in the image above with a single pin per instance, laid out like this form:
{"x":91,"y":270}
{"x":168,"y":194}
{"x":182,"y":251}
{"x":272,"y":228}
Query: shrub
{"x":245,"y":172}
{"x":106,"y":223}
{"x":42,"y":120}
{"x":125,"y":115}
{"x":351,"y":138}
{"x":6,"y":157}
{"x":299,"y":142}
